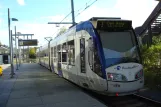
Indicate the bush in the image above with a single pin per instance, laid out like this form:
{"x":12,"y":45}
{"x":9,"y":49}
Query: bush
{"x":151,"y":60}
{"x":151,"y":55}
{"x":32,"y":53}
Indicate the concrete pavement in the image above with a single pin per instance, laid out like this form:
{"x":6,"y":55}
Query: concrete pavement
{"x":35,"y":86}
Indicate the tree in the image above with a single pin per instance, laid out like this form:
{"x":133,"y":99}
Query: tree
{"x":32,"y":53}
{"x":62,"y":30}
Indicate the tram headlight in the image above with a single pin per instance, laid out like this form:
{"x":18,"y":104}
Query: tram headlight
{"x":139,"y":74}
{"x":116,"y":77}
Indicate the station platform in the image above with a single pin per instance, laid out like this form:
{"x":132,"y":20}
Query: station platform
{"x":35,"y":86}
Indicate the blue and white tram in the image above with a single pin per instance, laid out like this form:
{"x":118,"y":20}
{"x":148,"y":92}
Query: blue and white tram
{"x":101,"y":54}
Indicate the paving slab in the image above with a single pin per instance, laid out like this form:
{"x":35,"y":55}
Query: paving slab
{"x":24,"y":102}
{"x":35,"y":86}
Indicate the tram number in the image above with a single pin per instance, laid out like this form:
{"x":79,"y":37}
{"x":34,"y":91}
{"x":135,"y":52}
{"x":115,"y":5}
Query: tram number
{"x":115,"y":85}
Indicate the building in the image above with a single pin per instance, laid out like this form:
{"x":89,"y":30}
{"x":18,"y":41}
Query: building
{"x":4,"y":55}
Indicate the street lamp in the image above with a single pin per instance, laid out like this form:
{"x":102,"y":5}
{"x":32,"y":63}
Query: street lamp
{"x":49,"y":39}
{"x":16,"y":48}
{"x":10,"y":42}
{"x":19,"y":49}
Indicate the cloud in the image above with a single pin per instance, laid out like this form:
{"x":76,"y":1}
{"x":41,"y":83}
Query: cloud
{"x":40,"y":30}
{"x":137,"y":14}
{"x":135,"y":10}
{"x":21,"y":2}
{"x":4,"y":37}
{"x":0,"y":21}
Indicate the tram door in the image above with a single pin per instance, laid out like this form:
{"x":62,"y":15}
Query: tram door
{"x":83,"y":71}
{"x":59,"y":67}
{"x":52,"y":58}
{"x":82,"y":56}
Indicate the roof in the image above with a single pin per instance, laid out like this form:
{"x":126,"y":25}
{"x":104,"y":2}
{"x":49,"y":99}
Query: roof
{"x":98,"y":18}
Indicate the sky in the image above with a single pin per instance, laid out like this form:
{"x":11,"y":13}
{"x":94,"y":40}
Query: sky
{"x":33,"y":15}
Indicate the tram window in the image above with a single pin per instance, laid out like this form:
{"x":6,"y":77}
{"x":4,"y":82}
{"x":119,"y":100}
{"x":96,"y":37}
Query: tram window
{"x":71,"y":52}
{"x":90,"y":58}
{"x":93,"y":58}
{"x":64,"y":53}
{"x":82,"y":55}
{"x":59,"y":53}
{"x":97,"y":63}
{"x":64,"y":57}
{"x":124,"y":40}
{"x":52,"y":52}
{"x":59,"y":57}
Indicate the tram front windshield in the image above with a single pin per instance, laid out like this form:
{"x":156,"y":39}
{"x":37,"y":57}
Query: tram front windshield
{"x":119,"y":47}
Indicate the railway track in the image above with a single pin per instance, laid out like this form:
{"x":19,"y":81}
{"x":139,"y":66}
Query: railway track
{"x":129,"y":101}
{"x":124,"y":101}
{"x":121,"y":101}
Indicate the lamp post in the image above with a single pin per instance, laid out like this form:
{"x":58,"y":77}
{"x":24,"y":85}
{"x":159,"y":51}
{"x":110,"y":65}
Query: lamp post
{"x":11,"y":55}
{"x":10,"y":42}
{"x":14,"y":19}
{"x":49,"y":39}
{"x":16,"y":49}
{"x":19,"y":49}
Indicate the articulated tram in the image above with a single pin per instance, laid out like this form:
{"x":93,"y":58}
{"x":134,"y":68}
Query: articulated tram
{"x":100,"y":54}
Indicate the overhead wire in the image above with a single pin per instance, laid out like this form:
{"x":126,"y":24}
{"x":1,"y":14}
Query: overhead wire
{"x":62,"y":21}
{"x":83,"y":6}
{"x":66,"y":16}
{"x":86,"y":7}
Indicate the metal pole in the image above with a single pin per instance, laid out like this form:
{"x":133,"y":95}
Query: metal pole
{"x":72,"y":6}
{"x":16,"y":49}
{"x":49,"y":55}
{"x":10,"y":45}
{"x":39,"y":54}
{"x":19,"y":51}
{"x":18,"y":61}
{"x":20,"y":56}
{"x":11,"y":53}
{"x":28,"y":51}
{"x":149,"y":36}
{"x":9,"y":34}
{"x":23,"y":50}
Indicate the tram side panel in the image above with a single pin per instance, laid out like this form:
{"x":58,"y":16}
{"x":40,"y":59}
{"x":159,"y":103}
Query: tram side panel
{"x":46,"y":59}
{"x":93,"y":80}
{"x":71,"y":69}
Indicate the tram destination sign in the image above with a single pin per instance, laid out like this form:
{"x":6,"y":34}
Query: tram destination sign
{"x":114,"y":25}
{"x":32,"y":42}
